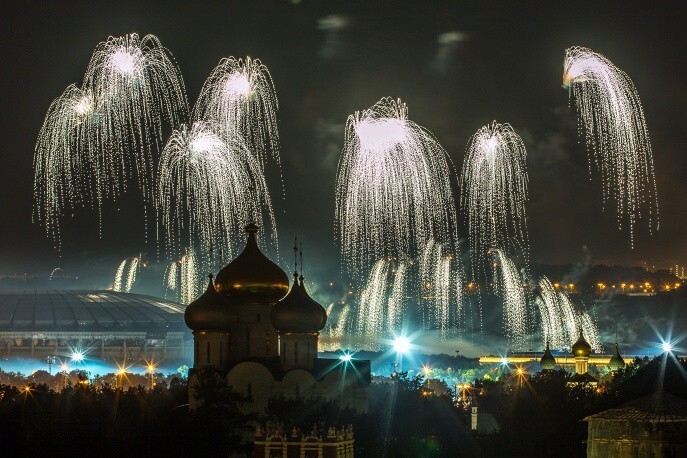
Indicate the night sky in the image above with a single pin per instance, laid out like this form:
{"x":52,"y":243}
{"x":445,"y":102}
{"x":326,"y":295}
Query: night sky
{"x":458,"y":65}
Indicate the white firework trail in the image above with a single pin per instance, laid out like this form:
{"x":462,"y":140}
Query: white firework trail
{"x":62,"y":165}
{"x":569,"y":316}
{"x":393,"y":191}
{"x":429,"y":266}
{"x":125,"y":277}
{"x":397,"y":299}
{"x":561,"y":322}
{"x":494,"y":192}
{"x":239,"y":96}
{"x":171,"y":278}
{"x":509,"y":285}
{"x":211,"y":190}
{"x":139,"y":88}
{"x":373,"y":301}
{"x":611,"y":115}
{"x":551,"y":314}
{"x":442,"y":293}
{"x":189,"y":284}
{"x":590,"y":331}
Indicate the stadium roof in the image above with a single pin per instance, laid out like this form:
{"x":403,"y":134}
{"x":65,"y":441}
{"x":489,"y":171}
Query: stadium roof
{"x":78,"y":311}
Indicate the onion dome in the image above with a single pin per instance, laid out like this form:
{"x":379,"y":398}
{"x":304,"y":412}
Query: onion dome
{"x":616,"y":362}
{"x":547,"y":361}
{"x":252,"y":277}
{"x":210,"y":312}
{"x":298,"y":312}
{"x":581,"y":348}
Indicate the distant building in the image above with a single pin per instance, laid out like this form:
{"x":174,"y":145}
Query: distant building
{"x":263,"y":341}
{"x":104,"y":325}
{"x":581,"y":351}
{"x":655,"y":426}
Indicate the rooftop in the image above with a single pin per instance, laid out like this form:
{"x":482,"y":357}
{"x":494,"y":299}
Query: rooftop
{"x":77,"y":311}
{"x":659,"y":407}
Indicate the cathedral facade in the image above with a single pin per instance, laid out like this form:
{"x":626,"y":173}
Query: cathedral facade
{"x":262,"y":337}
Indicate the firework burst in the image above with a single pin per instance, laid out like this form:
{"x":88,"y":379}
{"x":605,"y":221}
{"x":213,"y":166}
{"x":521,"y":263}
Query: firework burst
{"x":98,"y":136}
{"x":211,"y":190}
{"x":393,"y":192}
{"x":494,"y":193}
{"x":611,"y":115}
{"x":239,"y":96}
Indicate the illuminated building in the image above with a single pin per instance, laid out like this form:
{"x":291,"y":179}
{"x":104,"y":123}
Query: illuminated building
{"x":655,"y":425}
{"x":335,"y":443}
{"x":87,"y":325}
{"x":581,"y":351}
{"x":264,"y":342}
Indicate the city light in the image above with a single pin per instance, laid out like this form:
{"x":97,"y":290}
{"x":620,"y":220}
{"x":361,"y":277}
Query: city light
{"x":77,"y":356}
{"x":401,"y":345}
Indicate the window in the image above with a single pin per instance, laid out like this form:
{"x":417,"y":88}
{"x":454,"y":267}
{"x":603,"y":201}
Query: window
{"x":247,"y":341}
{"x":296,"y":351}
{"x":197,"y":355}
{"x":208,"y":350}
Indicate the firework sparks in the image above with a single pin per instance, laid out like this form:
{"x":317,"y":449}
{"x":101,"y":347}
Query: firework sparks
{"x":62,"y":162}
{"x":125,"y":277}
{"x":97,"y":137}
{"x":239,"y":96}
{"x":211,"y":189}
{"x":393,"y":192}
{"x":494,"y":193}
{"x":610,"y":112}
{"x":509,"y":285}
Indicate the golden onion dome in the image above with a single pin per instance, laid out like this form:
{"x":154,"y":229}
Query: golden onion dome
{"x":581,"y":348}
{"x":252,"y":277}
{"x":210,"y":312}
{"x":298,"y":312}
{"x":547,"y":361}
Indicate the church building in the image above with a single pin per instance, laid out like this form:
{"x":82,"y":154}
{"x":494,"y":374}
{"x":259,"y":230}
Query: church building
{"x":262,"y":337}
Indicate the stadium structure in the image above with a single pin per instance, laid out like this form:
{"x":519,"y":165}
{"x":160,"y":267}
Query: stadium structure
{"x":104,"y":325}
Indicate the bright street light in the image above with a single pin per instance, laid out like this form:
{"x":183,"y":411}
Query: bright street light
{"x":77,"y":356}
{"x":401,"y":345}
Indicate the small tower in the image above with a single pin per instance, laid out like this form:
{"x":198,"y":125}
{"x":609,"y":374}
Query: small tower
{"x":298,"y":319}
{"x":547,"y":361}
{"x":210,"y":319}
{"x":581,"y":351}
{"x":616,"y":362}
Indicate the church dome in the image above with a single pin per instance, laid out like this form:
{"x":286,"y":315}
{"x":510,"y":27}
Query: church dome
{"x":581,"y":348}
{"x":547,"y":361}
{"x":210,"y":312}
{"x":616,"y":362}
{"x":252,"y":277}
{"x":298,"y":312}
